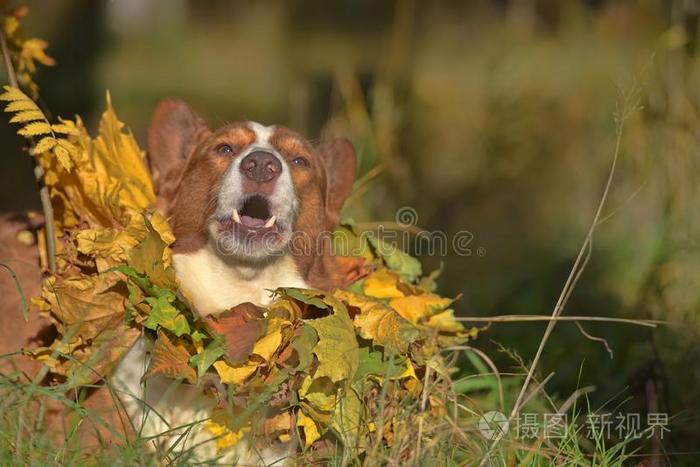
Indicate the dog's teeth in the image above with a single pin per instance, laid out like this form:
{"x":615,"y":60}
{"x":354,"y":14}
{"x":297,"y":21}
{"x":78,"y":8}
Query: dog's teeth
{"x":270,"y":222}
{"x":236,"y":217}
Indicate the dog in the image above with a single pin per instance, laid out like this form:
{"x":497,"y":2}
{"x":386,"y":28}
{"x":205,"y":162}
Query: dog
{"x":247,"y":204}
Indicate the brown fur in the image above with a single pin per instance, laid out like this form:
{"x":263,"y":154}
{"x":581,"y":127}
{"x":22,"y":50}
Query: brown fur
{"x":176,"y":132}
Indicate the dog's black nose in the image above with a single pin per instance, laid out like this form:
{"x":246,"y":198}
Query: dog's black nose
{"x":261,"y":166}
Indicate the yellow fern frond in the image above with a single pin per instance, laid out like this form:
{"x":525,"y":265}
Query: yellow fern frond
{"x":67,"y":145}
{"x":27,"y":113}
{"x":45,"y":144}
{"x":65,"y":128}
{"x":63,"y":155}
{"x":24,"y":52}
{"x":19,"y":106}
{"x":13,"y":94}
{"x":27,"y":116}
{"x":35,"y":129}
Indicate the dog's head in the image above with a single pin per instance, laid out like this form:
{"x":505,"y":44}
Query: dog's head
{"x":245,"y":186}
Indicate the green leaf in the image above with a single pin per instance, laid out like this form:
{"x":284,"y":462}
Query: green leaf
{"x":337,"y":348}
{"x":357,"y":287}
{"x":308,"y":296}
{"x":347,"y":422}
{"x":206,"y":358}
{"x":304,"y":344}
{"x":348,"y":242}
{"x":397,"y":260}
{"x":373,"y":362}
{"x":164,"y":314}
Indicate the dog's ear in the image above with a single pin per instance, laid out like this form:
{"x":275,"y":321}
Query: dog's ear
{"x":339,"y":160}
{"x":171,"y":136}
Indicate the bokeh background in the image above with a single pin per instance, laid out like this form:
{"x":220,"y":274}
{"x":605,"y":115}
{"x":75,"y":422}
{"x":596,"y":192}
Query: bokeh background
{"x":496,"y":117}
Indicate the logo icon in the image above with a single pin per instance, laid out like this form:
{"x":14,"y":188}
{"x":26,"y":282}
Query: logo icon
{"x":493,"y":424}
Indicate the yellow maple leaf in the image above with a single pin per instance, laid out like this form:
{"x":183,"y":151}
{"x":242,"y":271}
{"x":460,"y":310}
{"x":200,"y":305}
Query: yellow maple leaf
{"x":113,"y":186}
{"x":109,"y":246}
{"x":311,"y":432}
{"x":268,"y":344}
{"x":225,"y":438}
{"x":380,"y":323}
{"x":160,"y":224}
{"x":383,"y":284}
{"x":320,"y":393}
{"x":445,"y":321}
{"x":236,"y":375}
{"x":118,"y":156}
{"x":85,"y":304}
{"x":417,"y":307}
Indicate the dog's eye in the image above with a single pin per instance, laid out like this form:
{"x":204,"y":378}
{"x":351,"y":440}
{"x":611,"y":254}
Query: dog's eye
{"x":301,"y":161}
{"x":224,"y":149}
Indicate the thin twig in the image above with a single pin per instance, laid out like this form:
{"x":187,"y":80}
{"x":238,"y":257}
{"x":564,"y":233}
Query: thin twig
{"x":574,"y":274}
{"x":597,"y":339}
{"x":46,"y":206}
{"x":651,"y":323}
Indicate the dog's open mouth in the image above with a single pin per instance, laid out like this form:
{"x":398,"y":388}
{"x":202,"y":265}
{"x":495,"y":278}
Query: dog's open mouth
{"x":255,"y":214}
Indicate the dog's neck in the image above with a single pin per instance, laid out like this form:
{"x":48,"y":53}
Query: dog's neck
{"x":214,"y":284}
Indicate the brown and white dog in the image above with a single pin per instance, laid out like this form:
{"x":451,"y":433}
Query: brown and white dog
{"x":247,"y":204}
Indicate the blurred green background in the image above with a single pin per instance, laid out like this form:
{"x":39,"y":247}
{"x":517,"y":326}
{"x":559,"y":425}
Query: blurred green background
{"x":496,"y":117}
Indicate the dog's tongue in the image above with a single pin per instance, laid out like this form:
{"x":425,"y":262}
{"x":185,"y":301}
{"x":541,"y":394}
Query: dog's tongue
{"x":252,"y":221}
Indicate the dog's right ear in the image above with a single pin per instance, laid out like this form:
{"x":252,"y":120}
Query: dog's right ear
{"x":172,"y":135}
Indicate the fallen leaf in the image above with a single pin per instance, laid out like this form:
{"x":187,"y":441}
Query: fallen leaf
{"x":205,"y":357}
{"x":321,"y":393}
{"x":380,"y":323}
{"x":147,"y":258}
{"x":164,"y":314}
{"x":383,"y":284}
{"x":311,"y":431}
{"x":304,"y":344}
{"x":337,"y":349}
{"x":241,"y":327}
{"x":268,"y":344}
{"x":235,"y":375}
{"x":445,"y":321}
{"x":418,"y":307}
{"x":346,"y":421}
{"x":85,"y":304}
{"x":171,"y":360}
{"x":218,"y":427}
{"x":397,"y":260}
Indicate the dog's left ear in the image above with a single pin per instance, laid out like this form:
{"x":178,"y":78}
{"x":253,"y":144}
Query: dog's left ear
{"x":340,"y":163}
{"x":171,"y":137}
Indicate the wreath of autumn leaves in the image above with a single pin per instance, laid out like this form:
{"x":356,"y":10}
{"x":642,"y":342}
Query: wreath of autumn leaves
{"x":316,"y":365}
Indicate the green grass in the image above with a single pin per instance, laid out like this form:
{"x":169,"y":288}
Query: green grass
{"x":26,"y":439}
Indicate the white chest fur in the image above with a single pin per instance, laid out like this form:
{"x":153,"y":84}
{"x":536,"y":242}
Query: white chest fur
{"x":162,"y":406}
{"x":215,"y":284}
